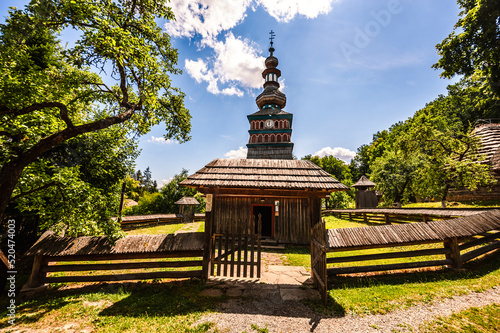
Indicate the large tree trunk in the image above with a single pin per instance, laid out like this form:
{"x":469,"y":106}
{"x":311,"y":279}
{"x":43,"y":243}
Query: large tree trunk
{"x":445,"y":194}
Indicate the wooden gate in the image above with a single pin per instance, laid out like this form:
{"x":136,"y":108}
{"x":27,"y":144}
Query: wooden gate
{"x":318,"y":258}
{"x":236,"y":252}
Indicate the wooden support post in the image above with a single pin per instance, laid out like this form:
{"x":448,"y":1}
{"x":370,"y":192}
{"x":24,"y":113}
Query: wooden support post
{"x":207,"y":244}
{"x":454,"y":255}
{"x":350,"y":216}
{"x":365,"y":219}
{"x":425,"y":218}
{"x":37,"y":275}
{"x":387,"y":218}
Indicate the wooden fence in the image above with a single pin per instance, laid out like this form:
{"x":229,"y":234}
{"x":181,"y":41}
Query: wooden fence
{"x":480,"y":232}
{"x":403,"y":215}
{"x":54,"y":254}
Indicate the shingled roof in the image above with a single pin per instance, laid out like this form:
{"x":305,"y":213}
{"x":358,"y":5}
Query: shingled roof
{"x":490,"y":140}
{"x":187,"y":201}
{"x":364,"y":182}
{"x":264,"y":173}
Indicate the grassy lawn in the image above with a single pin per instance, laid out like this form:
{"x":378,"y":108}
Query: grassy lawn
{"x":454,"y":204}
{"x":144,"y":307}
{"x":158,"y":230}
{"x":484,"y":319}
{"x":379,"y":293}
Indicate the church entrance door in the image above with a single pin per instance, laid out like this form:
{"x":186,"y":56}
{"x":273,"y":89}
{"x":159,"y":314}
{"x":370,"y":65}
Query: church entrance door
{"x":267,"y":218}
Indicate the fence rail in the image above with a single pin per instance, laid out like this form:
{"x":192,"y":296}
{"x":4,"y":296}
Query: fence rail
{"x":452,"y":251}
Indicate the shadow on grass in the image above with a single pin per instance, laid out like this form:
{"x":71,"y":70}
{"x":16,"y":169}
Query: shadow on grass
{"x":139,"y":299}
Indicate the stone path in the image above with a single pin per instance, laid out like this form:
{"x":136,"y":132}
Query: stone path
{"x":275,"y":303}
{"x":277,"y":282}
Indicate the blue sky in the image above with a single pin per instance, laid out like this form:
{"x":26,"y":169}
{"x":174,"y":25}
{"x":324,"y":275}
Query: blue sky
{"x":349,"y":69}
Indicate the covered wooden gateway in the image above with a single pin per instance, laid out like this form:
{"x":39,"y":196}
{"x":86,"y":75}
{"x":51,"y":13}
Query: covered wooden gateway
{"x":287,"y":194}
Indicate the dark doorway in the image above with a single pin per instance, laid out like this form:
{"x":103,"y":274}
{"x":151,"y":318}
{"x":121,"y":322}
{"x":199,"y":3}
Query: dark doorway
{"x":267,"y":219}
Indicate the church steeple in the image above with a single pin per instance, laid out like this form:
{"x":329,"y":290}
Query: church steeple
{"x":270,"y":127}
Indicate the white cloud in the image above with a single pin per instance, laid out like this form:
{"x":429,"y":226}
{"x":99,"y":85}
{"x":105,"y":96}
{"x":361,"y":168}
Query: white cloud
{"x":286,"y":10}
{"x":209,"y":18}
{"x":205,"y":17}
{"x":162,"y":141}
{"x":343,"y":154}
{"x":240,"y":153}
{"x":236,"y":64}
{"x":165,"y":181}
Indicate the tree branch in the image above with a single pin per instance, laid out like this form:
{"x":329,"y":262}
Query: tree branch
{"x":22,"y":194}
{"x":63,"y":110}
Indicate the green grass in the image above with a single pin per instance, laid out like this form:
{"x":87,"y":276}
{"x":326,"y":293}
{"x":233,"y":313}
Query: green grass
{"x":379,"y":293}
{"x":483,"y":319}
{"x":455,"y":204}
{"x":158,"y":230}
{"x":143,"y":307}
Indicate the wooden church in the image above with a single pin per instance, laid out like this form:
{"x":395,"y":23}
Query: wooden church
{"x":286,"y":193}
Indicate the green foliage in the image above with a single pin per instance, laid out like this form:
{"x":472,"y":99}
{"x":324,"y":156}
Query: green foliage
{"x":433,"y":150}
{"x":393,"y":173}
{"x":163,"y":202}
{"x":55,"y":99}
{"x":474,"y":49}
{"x":340,"y":171}
{"x":335,"y":167}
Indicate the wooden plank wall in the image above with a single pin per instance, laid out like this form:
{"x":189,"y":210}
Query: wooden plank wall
{"x":292,"y":225}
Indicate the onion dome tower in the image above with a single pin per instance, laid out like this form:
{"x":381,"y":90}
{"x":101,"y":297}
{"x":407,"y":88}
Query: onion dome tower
{"x":270,"y":127}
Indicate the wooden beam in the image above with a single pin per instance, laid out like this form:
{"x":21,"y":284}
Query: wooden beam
{"x":124,"y":277}
{"x":387,"y":267}
{"x":475,"y":253}
{"x":125,"y":256}
{"x":388,"y":255}
{"x":119,"y":266}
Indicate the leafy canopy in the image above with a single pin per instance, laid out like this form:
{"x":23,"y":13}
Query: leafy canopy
{"x":117,"y":73}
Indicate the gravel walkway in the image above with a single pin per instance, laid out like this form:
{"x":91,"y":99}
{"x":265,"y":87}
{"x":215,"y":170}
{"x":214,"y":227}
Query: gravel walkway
{"x":237,"y":315}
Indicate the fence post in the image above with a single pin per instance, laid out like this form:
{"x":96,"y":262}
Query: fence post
{"x":207,"y":245}
{"x":35,"y":279}
{"x":452,"y":244}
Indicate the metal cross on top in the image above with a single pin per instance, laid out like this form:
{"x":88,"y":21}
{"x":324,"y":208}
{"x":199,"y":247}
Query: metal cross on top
{"x":272,"y":37}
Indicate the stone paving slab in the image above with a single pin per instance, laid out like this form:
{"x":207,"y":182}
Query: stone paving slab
{"x":286,"y":283}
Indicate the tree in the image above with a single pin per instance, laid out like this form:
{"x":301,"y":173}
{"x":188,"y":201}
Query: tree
{"x":50,"y":94}
{"x":448,"y":152}
{"x":164,"y":201}
{"x":394,"y":173}
{"x":475,"y":47}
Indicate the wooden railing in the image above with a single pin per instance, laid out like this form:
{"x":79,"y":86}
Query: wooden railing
{"x":48,"y":264}
{"x":453,"y":252}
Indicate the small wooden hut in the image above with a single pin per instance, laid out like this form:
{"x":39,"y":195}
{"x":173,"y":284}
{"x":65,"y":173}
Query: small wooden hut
{"x":286,"y":193}
{"x":365,"y":196}
{"x":187,"y":206}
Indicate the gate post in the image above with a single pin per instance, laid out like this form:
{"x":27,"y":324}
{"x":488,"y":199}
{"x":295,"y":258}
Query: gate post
{"x":207,"y":242}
